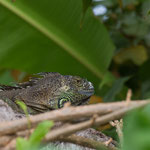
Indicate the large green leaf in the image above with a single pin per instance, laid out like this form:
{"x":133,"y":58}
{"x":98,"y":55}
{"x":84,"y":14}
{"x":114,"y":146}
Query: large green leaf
{"x":45,"y":35}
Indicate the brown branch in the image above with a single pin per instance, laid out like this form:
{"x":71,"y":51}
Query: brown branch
{"x":67,"y":114}
{"x":4,"y":140}
{"x":67,"y":130}
{"x":10,"y":146}
{"x":71,"y":113}
{"x":86,"y":142}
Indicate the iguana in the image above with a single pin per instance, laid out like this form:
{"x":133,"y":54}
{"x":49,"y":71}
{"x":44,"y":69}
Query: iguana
{"x":48,"y":91}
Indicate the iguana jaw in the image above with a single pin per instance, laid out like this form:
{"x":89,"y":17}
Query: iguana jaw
{"x":84,"y":101}
{"x":87,"y":92}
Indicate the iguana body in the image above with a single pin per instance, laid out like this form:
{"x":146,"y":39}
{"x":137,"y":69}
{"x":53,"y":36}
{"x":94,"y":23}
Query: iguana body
{"x":49,"y":92}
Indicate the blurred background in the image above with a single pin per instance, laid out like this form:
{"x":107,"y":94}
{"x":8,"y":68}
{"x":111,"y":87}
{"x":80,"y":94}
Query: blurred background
{"x":105,"y":41}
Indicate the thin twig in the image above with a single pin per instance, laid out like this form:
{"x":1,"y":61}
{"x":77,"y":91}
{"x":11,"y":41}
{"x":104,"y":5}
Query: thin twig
{"x":128,"y":97}
{"x":108,"y":142}
{"x":119,"y":126}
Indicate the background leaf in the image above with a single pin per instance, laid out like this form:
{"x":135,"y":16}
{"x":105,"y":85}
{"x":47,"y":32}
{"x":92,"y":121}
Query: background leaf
{"x":115,"y":89}
{"x":85,"y":5}
{"x":46,"y":36}
{"x":5,"y":77}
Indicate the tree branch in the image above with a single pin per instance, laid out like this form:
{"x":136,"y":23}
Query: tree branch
{"x":16,"y":127}
{"x":71,"y":113}
{"x":86,"y":142}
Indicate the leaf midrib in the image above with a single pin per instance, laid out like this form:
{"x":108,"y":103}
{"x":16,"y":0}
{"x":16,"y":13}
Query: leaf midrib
{"x":48,"y":33}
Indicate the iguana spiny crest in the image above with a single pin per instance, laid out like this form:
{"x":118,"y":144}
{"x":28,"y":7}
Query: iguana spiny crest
{"x":49,"y":91}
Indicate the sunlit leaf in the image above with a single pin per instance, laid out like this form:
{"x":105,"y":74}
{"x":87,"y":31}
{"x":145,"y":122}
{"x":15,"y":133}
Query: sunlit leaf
{"x":22,"y":144}
{"x":35,"y":139}
{"x":25,"y":110}
{"x":22,"y":105}
{"x":39,"y":133}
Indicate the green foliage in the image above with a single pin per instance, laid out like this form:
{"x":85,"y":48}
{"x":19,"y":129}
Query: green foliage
{"x":128,"y":23}
{"x":85,"y":5}
{"x":5,"y":77}
{"x":46,"y":36}
{"x":108,"y":79}
{"x":40,"y":132}
{"x":34,"y":140}
{"x":24,"y":108}
{"x":137,"y":130}
{"x":116,"y":88}
{"x":22,"y":144}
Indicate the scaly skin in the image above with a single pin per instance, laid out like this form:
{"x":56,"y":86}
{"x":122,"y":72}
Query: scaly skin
{"x":49,"y":92}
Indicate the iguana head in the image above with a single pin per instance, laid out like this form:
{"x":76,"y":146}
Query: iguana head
{"x":73,"y":89}
{"x":53,"y":90}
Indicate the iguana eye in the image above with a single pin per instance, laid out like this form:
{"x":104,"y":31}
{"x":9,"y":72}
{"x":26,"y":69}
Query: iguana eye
{"x":62,"y":101}
{"x":78,"y":81}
